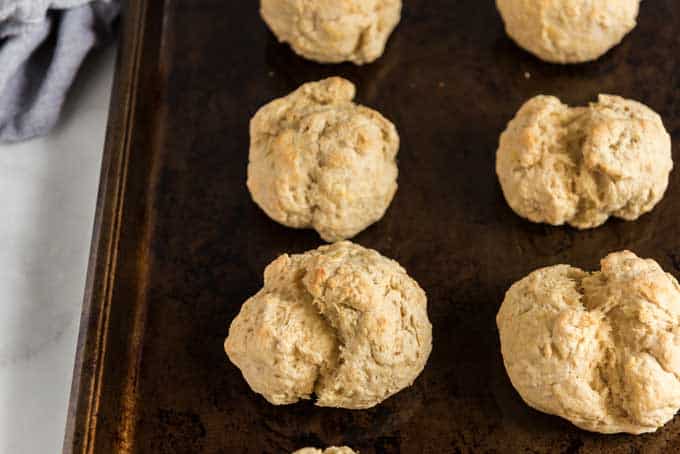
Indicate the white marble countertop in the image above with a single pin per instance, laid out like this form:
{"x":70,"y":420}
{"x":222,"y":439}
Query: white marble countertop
{"x":48,"y":190}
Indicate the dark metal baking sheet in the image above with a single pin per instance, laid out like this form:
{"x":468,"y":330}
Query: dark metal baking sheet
{"x":178,"y":244}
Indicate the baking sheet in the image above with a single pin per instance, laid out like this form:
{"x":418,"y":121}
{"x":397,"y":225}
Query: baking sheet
{"x":179,"y":245}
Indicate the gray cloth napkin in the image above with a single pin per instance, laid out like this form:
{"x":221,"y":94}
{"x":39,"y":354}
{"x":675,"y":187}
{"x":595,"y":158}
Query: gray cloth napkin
{"x":42,"y":45}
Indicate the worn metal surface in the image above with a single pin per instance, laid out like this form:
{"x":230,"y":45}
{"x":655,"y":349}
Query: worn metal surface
{"x":179,"y":245}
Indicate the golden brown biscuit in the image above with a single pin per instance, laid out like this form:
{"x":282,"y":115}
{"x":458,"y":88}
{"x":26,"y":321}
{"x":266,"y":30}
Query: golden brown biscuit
{"x":319,"y":160}
{"x":331,"y":450}
{"x":600,"y":349}
{"x":558,"y":164}
{"x":341,"y":322}
{"x":568,"y":31}
{"x":333,"y":31}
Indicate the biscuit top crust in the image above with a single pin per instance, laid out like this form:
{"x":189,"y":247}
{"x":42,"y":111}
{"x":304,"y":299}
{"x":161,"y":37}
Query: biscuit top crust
{"x":341,"y":322}
{"x":568,"y":31}
{"x":319,"y":160}
{"x":600,"y":349}
{"x":333,"y":31}
{"x":558,"y":164}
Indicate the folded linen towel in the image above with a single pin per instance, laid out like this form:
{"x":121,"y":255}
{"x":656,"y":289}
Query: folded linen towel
{"x":43,"y":43}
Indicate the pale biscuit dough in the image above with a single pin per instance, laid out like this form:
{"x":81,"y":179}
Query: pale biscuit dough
{"x":331,"y":450}
{"x":600,"y":349}
{"x":580,"y":165}
{"x":341,"y":322}
{"x":568,"y":31}
{"x":333,"y":31}
{"x":319,"y":160}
